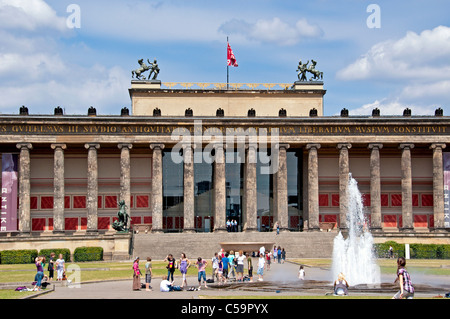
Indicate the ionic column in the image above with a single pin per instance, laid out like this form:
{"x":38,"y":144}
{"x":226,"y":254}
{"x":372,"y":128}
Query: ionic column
{"x":58,"y":188}
{"x":125,"y":173}
{"x":282,"y":189}
{"x":407,"y":212}
{"x":375,"y":187}
{"x":438,"y":186}
{"x":92,"y":188}
{"x":250,"y":217}
{"x":24,"y":188}
{"x":157,"y":188}
{"x":220,"y":200}
{"x":188,"y":188}
{"x":313,"y":187}
{"x":344,"y":172}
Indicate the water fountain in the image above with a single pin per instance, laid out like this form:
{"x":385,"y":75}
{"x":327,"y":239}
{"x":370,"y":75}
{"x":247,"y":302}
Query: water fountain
{"x":353,"y":256}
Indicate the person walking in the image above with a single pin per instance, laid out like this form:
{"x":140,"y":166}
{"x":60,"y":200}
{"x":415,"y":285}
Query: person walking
{"x":201,"y":265}
{"x":184,"y":265}
{"x":136,"y":275}
{"x":215,"y":266}
{"x":148,"y":274}
{"x":225,"y":265}
{"x":268,"y":257}
{"x":301,"y":273}
{"x":279,"y":254}
{"x":172,"y":264}
{"x":404,"y":280}
{"x":283,"y":256}
{"x":260,"y":272}
{"x":60,"y":268}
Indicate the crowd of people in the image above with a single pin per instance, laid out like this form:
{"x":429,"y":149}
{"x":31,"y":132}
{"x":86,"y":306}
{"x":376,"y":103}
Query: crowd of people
{"x":226,"y":266}
{"x":58,"y":264}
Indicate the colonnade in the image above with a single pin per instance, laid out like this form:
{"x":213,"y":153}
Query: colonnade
{"x":250,"y":186}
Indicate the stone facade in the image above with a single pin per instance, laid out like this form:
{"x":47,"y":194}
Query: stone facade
{"x":96,"y":161}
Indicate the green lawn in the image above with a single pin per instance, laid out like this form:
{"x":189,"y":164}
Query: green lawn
{"x":104,"y":271}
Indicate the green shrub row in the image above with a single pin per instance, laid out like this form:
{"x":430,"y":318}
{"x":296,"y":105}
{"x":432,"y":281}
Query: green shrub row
{"x":417,"y":251}
{"x":88,"y":254}
{"x":28,"y":256}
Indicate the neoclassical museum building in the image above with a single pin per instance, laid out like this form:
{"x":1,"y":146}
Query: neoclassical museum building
{"x":188,"y":157}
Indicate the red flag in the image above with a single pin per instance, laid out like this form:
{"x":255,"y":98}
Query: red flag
{"x":231,"y":59}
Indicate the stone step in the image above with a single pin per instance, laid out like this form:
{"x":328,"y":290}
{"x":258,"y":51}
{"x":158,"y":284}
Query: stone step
{"x":296,"y":244}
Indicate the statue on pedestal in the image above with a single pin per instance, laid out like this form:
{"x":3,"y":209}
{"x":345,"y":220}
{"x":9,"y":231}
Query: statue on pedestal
{"x":303,"y":68}
{"x":121,"y":224}
{"x":152,"y":67}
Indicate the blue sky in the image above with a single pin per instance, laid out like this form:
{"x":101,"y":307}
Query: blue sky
{"x":403,"y":63}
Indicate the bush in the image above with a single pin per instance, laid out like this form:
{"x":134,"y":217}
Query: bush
{"x":23,"y":256}
{"x":418,"y":251}
{"x":88,"y":254}
{"x":382,"y":250}
{"x":443,"y":252}
{"x":64,"y":251}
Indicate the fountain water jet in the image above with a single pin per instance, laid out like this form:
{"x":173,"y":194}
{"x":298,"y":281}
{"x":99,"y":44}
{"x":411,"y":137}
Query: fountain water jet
{"x":353,"y":256}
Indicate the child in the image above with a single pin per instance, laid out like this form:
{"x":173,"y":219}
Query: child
{"x":404,"y":279}
{"x":301,"y":273}
{"x":260,"y":271}
{"x":148,"y":274}
{"x":201,"y":265}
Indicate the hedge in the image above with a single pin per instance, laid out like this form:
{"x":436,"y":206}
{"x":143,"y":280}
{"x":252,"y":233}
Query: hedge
{"x":27,"y":256}
{"x":23,"y":256}
{"x":88,"y":254}
{"x":417,"y":251}
{"x":64,"y":251}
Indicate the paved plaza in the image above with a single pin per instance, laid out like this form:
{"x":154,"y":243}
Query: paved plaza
{"x":280,"y":281}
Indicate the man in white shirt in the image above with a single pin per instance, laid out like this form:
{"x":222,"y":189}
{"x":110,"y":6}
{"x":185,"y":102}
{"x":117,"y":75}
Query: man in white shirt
{"x":165,"y":285}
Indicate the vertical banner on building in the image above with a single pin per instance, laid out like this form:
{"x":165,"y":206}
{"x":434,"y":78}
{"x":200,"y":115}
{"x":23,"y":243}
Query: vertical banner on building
{"x":446,"y":156}
{"x":9,"y":193}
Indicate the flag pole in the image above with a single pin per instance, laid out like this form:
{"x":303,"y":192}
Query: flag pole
{"x":228,"y":73}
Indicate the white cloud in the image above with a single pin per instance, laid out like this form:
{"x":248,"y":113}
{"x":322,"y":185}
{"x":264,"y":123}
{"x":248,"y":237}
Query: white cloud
{"x":29,"y":15}
{"x":389,"y":106}
{"x":272,"y":31}
{"x":100,"y":87}
{"x":421,"y":56}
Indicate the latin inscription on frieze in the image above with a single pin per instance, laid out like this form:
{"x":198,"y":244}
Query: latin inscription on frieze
{"x":137,"y":129}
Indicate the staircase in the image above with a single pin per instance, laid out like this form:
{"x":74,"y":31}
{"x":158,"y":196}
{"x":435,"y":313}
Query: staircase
{"x":296,"y":244}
